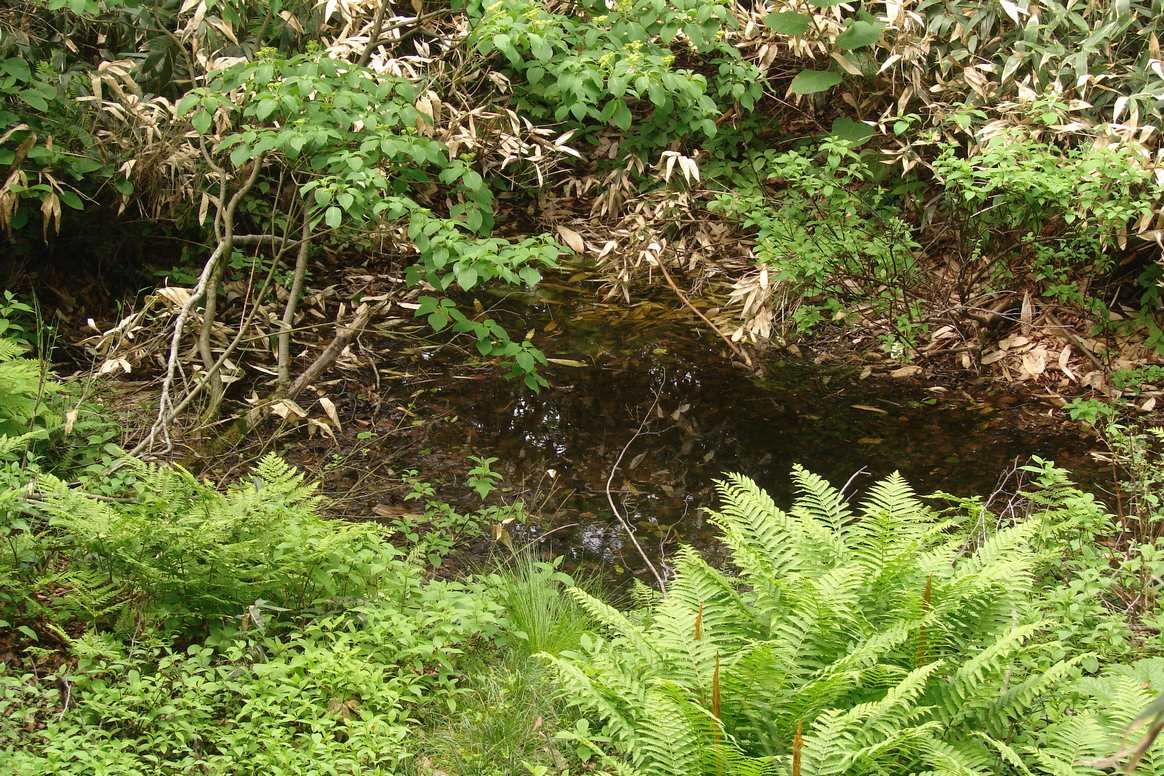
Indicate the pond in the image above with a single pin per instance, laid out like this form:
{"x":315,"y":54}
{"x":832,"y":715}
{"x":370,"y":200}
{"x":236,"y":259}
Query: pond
{"x":705,"y":416}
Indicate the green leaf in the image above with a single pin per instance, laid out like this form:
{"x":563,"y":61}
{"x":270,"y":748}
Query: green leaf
{"x":826,"y":3}
{"x":186,"y":104}
{"x":471,"y":180}
{"x":332,"y":216}
{"x":855,"y":132}
{"x":17,"y":68}
{"x":427,"y":305}
{"x":813,"y":81}
{"x":201,"y":121}
{"x":622,"y":116}
{"x":788,"y":23}
{"x":80,"y":165}
{"x":858,"y":35}
{"x":540,"y":49}
{"x":474,"y":219}
{"x":71,"y":200}
{"x":466,"y":277}
{"x":240,"y":154}
{"x":33,"y":99}
{"x":265,"y":108}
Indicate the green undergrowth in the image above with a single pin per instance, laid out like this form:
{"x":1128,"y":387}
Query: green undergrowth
{"x":158,"y":624}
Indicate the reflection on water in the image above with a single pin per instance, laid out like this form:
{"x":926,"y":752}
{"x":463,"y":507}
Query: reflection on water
{"x":711,"y":417}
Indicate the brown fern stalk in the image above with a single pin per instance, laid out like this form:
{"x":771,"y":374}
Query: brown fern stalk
{"x":699,"y":623}
{"x":797,"y":745}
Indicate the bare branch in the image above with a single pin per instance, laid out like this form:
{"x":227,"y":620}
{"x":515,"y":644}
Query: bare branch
{"x":284,"y":362}
{"x":165,"y":402}
{"x":344,"y":335}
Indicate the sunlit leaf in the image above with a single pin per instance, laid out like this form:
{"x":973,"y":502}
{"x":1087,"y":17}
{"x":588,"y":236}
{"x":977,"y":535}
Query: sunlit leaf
{"x":788,"y":22}
{"x":859,"y":34}
{"x":813,"y":81}
{"x":855,"y":132}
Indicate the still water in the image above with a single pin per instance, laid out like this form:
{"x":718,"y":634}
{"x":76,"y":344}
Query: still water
{"x":705,"y":416}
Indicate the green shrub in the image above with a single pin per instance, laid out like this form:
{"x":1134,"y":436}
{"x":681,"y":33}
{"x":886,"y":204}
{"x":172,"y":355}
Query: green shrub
{"x":612,"y":64}
{"x":829,"y":238}
{"x":24,"y":388}
{"x":1083,"y":582}
{"x":1028,"y":210}
{"x":881,"y":639}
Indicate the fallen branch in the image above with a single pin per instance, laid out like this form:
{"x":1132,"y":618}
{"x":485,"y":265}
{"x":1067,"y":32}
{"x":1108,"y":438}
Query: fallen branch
{"x":683,"y":298}
{"x":343,"y":336}
{"x":1078,"y":342}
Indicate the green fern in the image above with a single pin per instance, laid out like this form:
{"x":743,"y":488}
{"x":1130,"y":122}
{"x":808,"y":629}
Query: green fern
{"x":892,"y":641}
{"x":184,"y":552}
{"x":23,"y":391}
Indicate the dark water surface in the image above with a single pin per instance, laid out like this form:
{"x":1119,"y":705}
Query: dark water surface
{"x":558,"y":447}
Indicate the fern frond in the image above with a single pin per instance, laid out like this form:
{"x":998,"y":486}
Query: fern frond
{"x":669,"y":744}
{"x":11,"y":349}
{"x":762,"y":538}
{"x":614,"y":621}
{"x":946,"y":759}
{"x":582,"y":691}
{"x":1005,"y":752}
{"x":894,"y":496}
{"x":726,"y":612}
{"x":817,"y":500}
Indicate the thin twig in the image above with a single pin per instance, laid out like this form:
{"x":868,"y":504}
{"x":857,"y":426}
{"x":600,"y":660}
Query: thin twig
{"x":610,"y":498}
{"x":856,"y":474}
